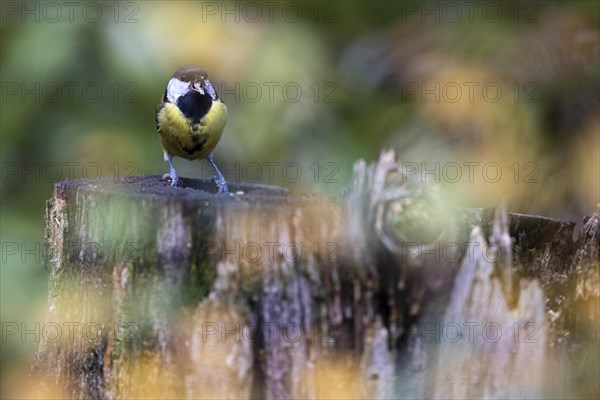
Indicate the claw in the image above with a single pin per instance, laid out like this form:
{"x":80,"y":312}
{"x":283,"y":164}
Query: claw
{"x":218,"y":179}
{"x":174,"y":181}
{"x":172,"y":175}
{"x":221,"y":184}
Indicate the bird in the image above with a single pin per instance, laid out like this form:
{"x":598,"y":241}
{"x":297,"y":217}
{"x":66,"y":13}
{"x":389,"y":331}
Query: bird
{"x":190,"y":119}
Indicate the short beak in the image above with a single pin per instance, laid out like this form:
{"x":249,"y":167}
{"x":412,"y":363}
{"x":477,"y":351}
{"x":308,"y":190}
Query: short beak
{"x":197,"y":86}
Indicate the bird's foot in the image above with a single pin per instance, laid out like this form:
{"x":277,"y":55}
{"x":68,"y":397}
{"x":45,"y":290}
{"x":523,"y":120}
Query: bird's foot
{"x":173,"y":178}
{"x":221,"y":184}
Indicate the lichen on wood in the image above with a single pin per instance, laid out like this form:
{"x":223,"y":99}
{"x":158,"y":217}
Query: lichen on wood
{"x":179,"y":292}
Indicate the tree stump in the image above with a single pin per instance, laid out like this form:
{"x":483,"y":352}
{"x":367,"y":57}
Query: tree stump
{"x":385,"y":292}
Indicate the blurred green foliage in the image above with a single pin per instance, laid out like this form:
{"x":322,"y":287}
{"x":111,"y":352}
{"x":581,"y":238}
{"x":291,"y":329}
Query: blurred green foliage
{"x":79,"y":93}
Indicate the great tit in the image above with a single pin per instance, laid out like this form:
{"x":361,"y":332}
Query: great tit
{"x":190,"y":119}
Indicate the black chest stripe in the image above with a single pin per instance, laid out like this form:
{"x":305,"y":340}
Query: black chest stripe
{"x":194,"y":105}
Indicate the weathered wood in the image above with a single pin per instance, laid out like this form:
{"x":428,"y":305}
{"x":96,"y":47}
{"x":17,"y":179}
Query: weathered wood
{"x":177,"y":267}
{"x":179,"y":292}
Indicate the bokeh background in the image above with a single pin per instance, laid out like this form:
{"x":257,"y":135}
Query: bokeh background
{"x":498,"y":99}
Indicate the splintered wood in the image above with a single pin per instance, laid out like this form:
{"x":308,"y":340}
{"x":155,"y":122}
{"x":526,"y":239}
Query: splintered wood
{"x":386,"y":292}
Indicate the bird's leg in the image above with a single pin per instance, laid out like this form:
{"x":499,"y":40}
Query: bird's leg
{"x":172,"y":173}
{"x":218,"y":179}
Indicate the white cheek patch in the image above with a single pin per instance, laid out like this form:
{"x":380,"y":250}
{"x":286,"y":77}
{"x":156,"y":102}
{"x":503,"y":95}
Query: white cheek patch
{"x":176,"y":88}
{"x":209,"y":89}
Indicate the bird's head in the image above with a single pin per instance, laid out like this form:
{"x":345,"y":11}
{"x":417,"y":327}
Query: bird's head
{"x":189,"y":78}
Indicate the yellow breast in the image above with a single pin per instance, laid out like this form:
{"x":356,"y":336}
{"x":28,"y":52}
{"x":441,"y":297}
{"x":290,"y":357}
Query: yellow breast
{"x":181,"y":138}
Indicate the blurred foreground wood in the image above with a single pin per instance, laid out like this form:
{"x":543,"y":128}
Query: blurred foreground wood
{"x":384,"y":293}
